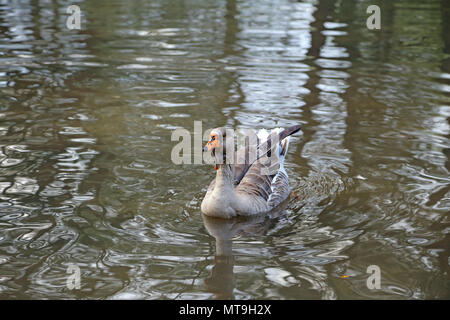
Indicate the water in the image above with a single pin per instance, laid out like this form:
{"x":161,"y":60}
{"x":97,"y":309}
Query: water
{"x":86,"y":118}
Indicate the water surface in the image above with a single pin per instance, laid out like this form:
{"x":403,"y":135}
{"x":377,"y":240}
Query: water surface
{"x":86,"y":118}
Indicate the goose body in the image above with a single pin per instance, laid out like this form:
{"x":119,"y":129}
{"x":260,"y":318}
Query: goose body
{"x":246,"y":187}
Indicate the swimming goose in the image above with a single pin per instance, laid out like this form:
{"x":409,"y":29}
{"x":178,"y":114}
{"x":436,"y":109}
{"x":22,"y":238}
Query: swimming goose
{"x":246,"y":183}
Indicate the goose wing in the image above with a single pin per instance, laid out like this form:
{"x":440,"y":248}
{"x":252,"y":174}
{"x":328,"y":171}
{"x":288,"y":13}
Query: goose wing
{"x":266,"y":178}
{"x":262,"y":149}
{"x":256,"y":182}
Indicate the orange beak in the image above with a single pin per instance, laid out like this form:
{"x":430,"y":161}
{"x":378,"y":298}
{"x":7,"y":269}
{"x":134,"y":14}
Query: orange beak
{"x":213,"y":143}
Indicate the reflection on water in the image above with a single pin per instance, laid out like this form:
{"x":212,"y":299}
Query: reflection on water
{"x":85,"y":123}
{"x":221,"y":280}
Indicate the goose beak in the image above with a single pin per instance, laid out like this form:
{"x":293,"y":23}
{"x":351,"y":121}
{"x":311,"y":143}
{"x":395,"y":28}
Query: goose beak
{"x":211,"y":144}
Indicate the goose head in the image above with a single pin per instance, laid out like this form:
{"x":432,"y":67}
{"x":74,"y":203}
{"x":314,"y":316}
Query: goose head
{"x":215,"y":140}
{"x":219,"y":139}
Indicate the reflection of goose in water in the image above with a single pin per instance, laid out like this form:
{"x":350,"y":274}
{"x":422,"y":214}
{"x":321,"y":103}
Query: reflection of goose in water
{"x":248,"y":186}
{"x":221,"y":280}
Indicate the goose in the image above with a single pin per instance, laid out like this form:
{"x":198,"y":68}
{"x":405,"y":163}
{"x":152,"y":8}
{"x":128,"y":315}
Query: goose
{"x":246,"y":182}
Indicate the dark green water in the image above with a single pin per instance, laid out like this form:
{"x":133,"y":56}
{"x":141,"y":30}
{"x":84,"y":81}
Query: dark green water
{"x":86,"y":118}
